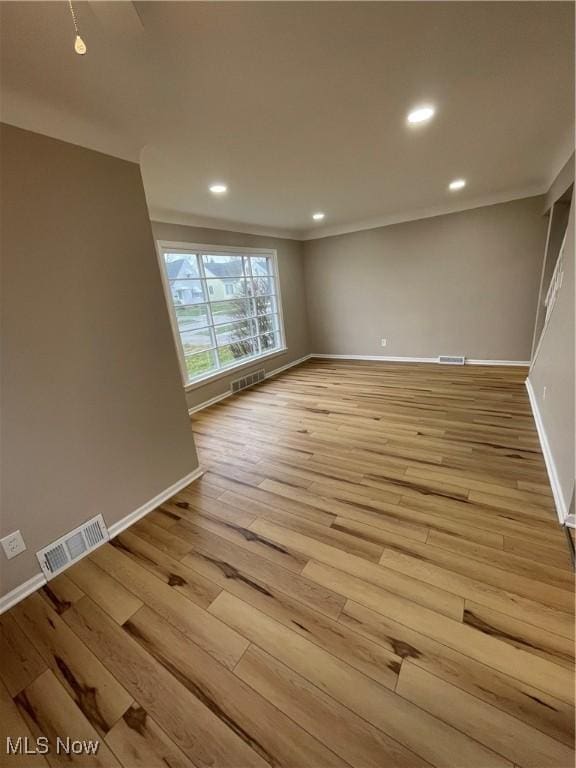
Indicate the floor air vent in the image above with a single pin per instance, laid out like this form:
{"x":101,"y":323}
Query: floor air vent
{"x":71,"y":547}
{"x":451,"y":359}
{"x":248,"y":381}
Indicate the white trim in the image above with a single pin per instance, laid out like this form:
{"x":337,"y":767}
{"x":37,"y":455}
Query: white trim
{"x":561,"y":506}
{"x":570,"y":521}
{"x":520,"y":363}
{"x":19,"y":593}
{"x":178,"y":245}
{"x":389,"y":359}
{"x":159,"y":216}
{"x":163,"y":216}
{"x":426,"y":213}
{"x":276,"y":371}
{"x":167,"y":493}
{"x":224,"y":395}
{"x":39,"y":580}
{"x":198,"y":249}
{"x":382,"y":358}
{"x":208,"y":403}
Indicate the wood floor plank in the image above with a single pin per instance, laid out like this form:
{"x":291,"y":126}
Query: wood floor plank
{"x":276,"y":739}
{"x":539,"y":552}
{"x":366,"y":656}
{"x":541,"y":642}
{"x":355,"y":740}
{"x":172,"y":572}
{"x":61,"y":592}
{"x":139,"y":742}
{"x":243,"y":537}
{"x":538,"y":613}
{"x":49,"y":711}
{"x":483,"y":647}
{"x":272,"y":507}
{"x":428,"y":737}
{"x":225,"y":563}
{"x":192,"y":502}
{"x":13,"y":727}
{"x":216,"y":638}
{"x":20,"y":662}
{"x":505,"y":734}
{"x":440,"y":600}
{"x":394,"y":518}
{"x":166,"y":540}
{"x":539,"y":709}
{"x":107,"y":592}
{"x":187,"y":721}
{"x":96,"y":692}
{"x":521,"y":565}
{"x":377,"y":534}
{"x":347,"y":542}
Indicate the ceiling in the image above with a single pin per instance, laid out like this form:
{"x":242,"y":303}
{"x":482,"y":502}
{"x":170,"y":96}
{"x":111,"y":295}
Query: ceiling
{"x":301,"y":106}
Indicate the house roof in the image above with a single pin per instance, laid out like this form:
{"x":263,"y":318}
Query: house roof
{"x":211,"y":268}
{"x":173,"y":268}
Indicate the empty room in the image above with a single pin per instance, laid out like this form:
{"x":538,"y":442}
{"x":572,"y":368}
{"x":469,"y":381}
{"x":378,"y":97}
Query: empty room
{"x":287,"y":387}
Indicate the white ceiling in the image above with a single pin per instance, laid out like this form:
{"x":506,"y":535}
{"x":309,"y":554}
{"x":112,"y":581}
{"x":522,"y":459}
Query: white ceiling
{"x":301,"y":106}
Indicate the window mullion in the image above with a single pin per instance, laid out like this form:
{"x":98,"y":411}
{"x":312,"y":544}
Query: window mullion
{"x":209,"y":304}
{"x":254,"y":321}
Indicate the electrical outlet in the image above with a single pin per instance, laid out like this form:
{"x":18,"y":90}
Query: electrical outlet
{"x":383,"y":342}
{"x":13,"y":544}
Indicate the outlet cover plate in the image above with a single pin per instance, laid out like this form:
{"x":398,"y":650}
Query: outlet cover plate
{"x":13,"y":544}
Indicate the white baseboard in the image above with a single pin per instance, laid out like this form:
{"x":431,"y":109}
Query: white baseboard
{"x":390,"y":359}
{"x":519,"y":363}
{"x":19,"y":593}
{"x":167,"y":493}
{"x":224,"y":395}
{"x":276,"y":371}
{"x":381,"y":358}
{"x":38,"y":580}
{"x":559,"y":501}
{"x":208,"y":403}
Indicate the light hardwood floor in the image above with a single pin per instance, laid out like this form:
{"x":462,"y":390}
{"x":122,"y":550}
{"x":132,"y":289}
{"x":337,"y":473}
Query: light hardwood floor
{"x":369,"y":574}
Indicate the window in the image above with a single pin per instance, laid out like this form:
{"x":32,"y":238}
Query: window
{"x":225,"y":306}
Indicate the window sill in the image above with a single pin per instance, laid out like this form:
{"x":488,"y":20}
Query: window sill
{"x":220,"y":374}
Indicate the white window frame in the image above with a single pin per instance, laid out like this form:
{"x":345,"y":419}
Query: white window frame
{"x":199,"y":248}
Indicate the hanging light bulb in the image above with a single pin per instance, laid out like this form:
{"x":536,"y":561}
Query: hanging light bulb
{"x":79,"y":44}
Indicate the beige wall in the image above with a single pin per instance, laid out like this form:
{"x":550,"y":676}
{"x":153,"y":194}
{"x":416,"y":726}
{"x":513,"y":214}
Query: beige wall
{"x":291,"y":272}
{"x":461,"y":284}
{"x":553,"y":369}
{"x":93,"y":417}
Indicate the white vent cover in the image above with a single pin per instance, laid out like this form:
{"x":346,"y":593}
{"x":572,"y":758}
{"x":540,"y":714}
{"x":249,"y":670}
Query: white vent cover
{"x":451,"y":359}
{"x":71,"y":547}
{"x":248,"y":381}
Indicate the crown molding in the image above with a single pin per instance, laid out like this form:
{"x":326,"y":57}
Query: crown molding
{"x":425,"y":213}
{"x":165,"y":216}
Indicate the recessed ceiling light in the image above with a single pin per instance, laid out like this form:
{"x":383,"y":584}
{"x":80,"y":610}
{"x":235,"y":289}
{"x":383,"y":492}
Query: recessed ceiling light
{"x":421,"y":114}
{"x":318,"y":216}
{"x":218,"y":189}
{"x":457,"y":184}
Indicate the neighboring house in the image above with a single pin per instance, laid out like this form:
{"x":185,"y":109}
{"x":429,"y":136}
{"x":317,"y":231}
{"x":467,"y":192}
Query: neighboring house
{"x":223,"y":281}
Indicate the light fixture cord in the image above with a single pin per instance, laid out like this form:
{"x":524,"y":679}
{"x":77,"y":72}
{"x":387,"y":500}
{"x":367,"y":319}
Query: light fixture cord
{"x":73,"y":17}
